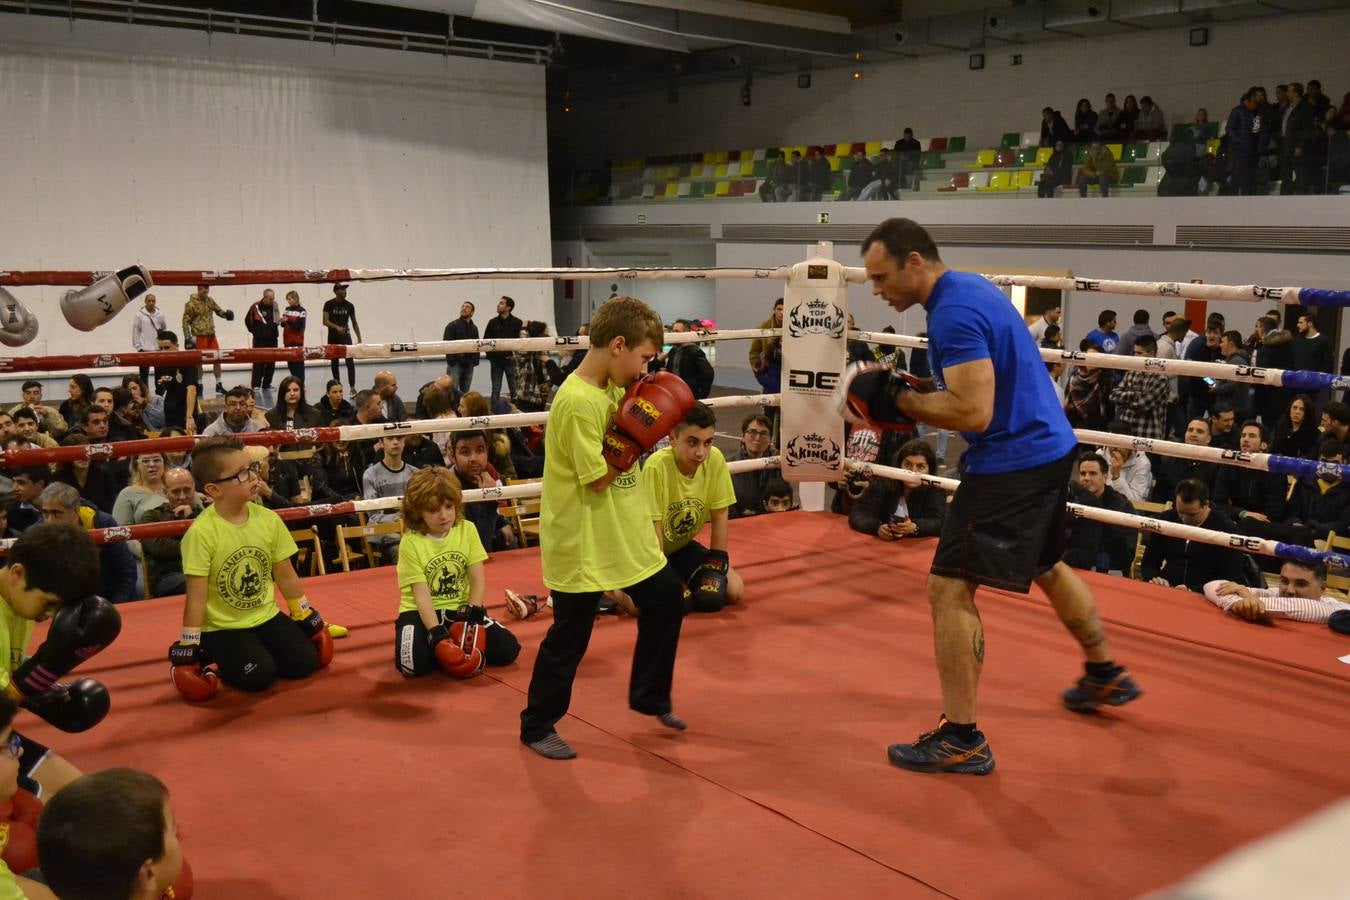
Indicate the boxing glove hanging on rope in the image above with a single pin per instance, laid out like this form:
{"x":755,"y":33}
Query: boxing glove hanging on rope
{"x":90,"y":307}
{"x":18,"y":326}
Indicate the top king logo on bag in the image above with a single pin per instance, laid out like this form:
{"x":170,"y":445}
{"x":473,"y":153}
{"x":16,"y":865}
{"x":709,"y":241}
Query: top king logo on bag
{"x":811,"y":448}
{"x":816,"y":316}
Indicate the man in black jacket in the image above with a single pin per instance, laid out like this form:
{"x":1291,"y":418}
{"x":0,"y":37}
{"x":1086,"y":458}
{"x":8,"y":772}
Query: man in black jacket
{"x":1173,"y":470}
{"x":460,"y":366}
{"x":265,"y":327}
{"x":690,"y":363}
{"x":504,"y":326}
{"x":1097,"y":545}
{"x":1250,"y":495}
{"x":1176,"y":562}
{"x":1298,"y":130}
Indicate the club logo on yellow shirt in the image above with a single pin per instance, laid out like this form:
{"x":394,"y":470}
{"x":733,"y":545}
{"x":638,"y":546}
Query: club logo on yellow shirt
{"x":445,"y":575}
{"x":682,"y":520}
{"x":243,"y":580}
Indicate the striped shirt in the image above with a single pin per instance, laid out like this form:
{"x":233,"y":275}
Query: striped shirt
{"x":1300,"y":609}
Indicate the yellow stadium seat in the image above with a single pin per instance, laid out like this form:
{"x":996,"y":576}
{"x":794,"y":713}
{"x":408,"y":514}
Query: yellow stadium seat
{"x":834,"y":163}
{"x":1117,"y":150}
{"x":873,"y":148}
{"x":841,"y":149}
{"x":998,"y":181}
{"x":1212,"y":146}
{"x":723,"y":189}
{"x":672,"y":190}
{"x":983,"y":159}
{"x":748,"y":167}
{"x":1043,"y":155}
{"x":748,"y":156}
{"x":720,"y":171}
{"x":1023,"y":179}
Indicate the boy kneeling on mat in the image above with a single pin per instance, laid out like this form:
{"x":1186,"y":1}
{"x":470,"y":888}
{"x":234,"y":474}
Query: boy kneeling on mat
{"x":231,"y":555}
{"x":52,"y":571}
{"x":688,"y":483}
{"x":441,"y":620}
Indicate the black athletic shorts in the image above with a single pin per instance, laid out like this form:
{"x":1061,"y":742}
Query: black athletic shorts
{"x":33,"y":756}
{"x":686,"y":560}
{"x":1003,"y":530}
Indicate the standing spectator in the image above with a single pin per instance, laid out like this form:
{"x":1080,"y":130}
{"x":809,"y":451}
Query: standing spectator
{"x":339,"y":317}
{"x":504,"y":326}
{"x":1099,"y":167}
{"x":1129,"y":114}
{"x":859,"y":176}
{"x":1141,"y":397}
{"x":61,"y":505}
{"x":81,"y":390}
{"x":1193,"y":393}
{"x":1104,"y":335}
{"x":1107,"y":117}
{"x":262,"y":323}
{"x":817,"y":177}
{"x":1053,"y":128}
{"x":794,"y":176}
{"x":178,"y":385}
{"x":392,"y":406}
{"x":1313,"y":351}
{"x":293,"y":321}
{"x":332,"y":406}
{"x":1150,"y":125}
{"x":1297,"y":131}
{"x":1235,"y":396}
{"x":858,"y":351}
{"x":1275,"y":351}
{"x":1140,"y":328}
{"x":146,"y":325}
{"x":49,"y":420}
{"x":574,"y":362}
{"x":460,"y":366}
{"x":909,"y":153}
{"x":1243,"y":134}
{"x":690,"y":363}
{"x":1317,"y":101}
{"x":536,"y":372}
{"x":199,"y":327}
{"x":164,"y":556}
{"x":1170,"y":344}
{"x":1058,"y":171}
{"x":766,"y":354}
{"x":1084,"y":122}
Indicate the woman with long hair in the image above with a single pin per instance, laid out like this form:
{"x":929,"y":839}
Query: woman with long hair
{"x":1084,"y":121}
{"x":891,"y":509}
{"x":146,"y":489}
{"x":1296,"y":433}
{"x":1129,"y":115}
{"x":81,"y":389}
{"x":333,"y":406}
{"x":91,"y":478}
{"x":291,"y":410}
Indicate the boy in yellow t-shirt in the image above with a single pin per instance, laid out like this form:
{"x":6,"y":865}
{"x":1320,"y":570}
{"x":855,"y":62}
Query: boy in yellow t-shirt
{"x":595,"y":528}
{"x":440,"y":572}
{"x":688,"y":485}
{"x":231,"y":555}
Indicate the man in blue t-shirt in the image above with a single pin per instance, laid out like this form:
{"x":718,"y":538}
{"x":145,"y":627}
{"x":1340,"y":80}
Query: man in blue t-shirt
{"x":1104,"y":335}
{"x":1008,"y":525}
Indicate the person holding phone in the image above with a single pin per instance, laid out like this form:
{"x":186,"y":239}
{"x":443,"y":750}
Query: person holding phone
{"x":892,"y":510}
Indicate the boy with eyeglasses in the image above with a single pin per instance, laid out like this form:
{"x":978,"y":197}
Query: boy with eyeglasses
{"x":231,"y":555}
{"x":756,"y":443}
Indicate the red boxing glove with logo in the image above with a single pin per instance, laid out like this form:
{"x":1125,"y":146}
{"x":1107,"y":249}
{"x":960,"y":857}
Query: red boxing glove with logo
{"x":869,"y":394}
{"x":648,"y":412}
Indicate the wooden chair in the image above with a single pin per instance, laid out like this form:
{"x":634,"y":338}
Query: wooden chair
{"x":1338,"y":579}
{"x":307,"y":539}
{"x":364,"y":533}
{"x":145,"y":568}
{"x":1144,"y":508}
{"x":304,"y":453}
{"x":523,"y":513}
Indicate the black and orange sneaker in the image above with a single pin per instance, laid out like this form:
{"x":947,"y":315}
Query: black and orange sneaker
{"x":943,"y":751}
{"x":1091,"y":692}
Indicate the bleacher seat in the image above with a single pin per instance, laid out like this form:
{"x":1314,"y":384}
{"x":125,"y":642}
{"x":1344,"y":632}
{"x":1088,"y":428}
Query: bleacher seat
{"x":873,"y":148}
{"x":696,"y":190}
{"x":1005,"y":156}
{"x":747,"y":167}
{"x":983,"y":159}
{"x":759,"y":154}
{"x":933,"y":161}
{"x":1079,"y":154}
{"x":1030,"y":139}
{"x":723,"y":189}
{"x":937,"y":145}
{"x":1026,"y":156}
{"x":839,"y":183}
{"x":683,"y":189}
{"x":1152,"y":177}
{"x":672,"y":190}
{"x":648,"y":191}
{"x":1116,"y":150}
{"x":998,"y":181}
{"x":1212,"y":146}
{"x":978,"y":180}
{"x":956,"y":144}
{"x":721,"y":170}
{"x":1134,"y":152}
{"x":1182,"y":131}
{"x":1155,"y":149}
{"x":1010,"y":139}
{"x":844,"y":150}
{"x":1043,"y":155}
{"x":1131,"y":176}
{"x":959,"y":181}
{"x":828,"y":150}
{"x":1022,"y":179}
{"x":857,"y":146}
{"x":733,"y":156}
{"x":834,"y":161}
{"x":760,"y":168}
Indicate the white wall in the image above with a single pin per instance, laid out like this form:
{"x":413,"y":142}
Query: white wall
{"x":182,"y":150}
{"x":940,"y":96}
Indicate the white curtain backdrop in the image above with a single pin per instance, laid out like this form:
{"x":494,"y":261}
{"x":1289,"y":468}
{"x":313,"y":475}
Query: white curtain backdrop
{"x":180,"y":150}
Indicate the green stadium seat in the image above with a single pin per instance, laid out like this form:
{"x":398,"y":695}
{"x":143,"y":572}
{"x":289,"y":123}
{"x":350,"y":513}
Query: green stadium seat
{"x":1011,"y":139}
{"x":1079,"y":154}
{"x":933,"y":161}
{"x":1026,"y":156}
{"x":956,"y":144}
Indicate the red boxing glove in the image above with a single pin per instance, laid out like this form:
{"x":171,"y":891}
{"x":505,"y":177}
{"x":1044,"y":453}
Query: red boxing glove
{"x":869,"y":393}
{"x":18,"y":831}
{"x":314,"y":627}
{"x":194,"y":683}
{"x":648,"y":412}
{"x":182,"y":887}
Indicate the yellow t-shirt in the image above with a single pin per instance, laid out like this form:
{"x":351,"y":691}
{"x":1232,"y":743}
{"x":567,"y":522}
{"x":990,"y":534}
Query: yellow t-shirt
{"x":442,"y":565}
{"x":14,"y":634}
{"x":682,"y":504}
{"x":237,"y":561}
{"x":591,"y":541}
{"x":9,"y":888}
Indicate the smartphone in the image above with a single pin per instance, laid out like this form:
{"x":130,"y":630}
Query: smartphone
{"x":1209,"y":381}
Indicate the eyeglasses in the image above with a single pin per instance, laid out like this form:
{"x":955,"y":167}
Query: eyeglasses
{"x":756,"y":433}
{"x":253,"y":470}
{"x":15,"y":746}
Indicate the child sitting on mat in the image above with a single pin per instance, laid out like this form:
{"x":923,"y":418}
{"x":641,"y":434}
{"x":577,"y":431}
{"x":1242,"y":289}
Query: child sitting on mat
{"x":231,"y":555}
{"x":440,"y":575}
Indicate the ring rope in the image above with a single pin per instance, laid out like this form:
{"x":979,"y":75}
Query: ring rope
{"x":1267,"y":462}
{"x":392,"y":350}
{"x":324,"y":435}
{"x":1290,"y":378}
{"x":120,"y":533}
{"x":1141,"y":523}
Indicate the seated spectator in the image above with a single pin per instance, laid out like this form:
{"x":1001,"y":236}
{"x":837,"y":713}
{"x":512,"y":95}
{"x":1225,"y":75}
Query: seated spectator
{"x":887,"y":178}
{"x":475,"y":405}
{"x":386,"y":478}
{"x":1084,"y":122}
{"x":1058,"y":171}
{"x":1129,"y":114}
{"x":146,"y":490}
{"x":777,"y":497}
{"x":469,"y":452}
{"x":1150,"y":125}
{"x":1223,"y":434}
{"x":50,"y":421}
{"x":124,"y":421}
{"x":5,"y":531}
{"x":81,"y":389}
{"x":1317,"y":505}
{"x":858,"y":351}
{"x":29,"y":483}
{"x":522,"y":445}
{"x":392,"y":406}
{"x":690,"y":363}
{"x":775,"y":187}
{"x":96,"y":480}
{"x":103,"y":399}
{"x":235,"y":419}
{"x":164,"y":555}
{"x":1099,"y":167}
{"x":441,"y":383}
{"x":61,"y":505}
{"x":147,"y":411}
{"x":177,"y":459}
{"x":1096,"y":545}
{"x":889,"y":354}
{"x":1296,"y":432}
{"x":816,"y":176}
{"x":255,"y":412}
{"x":1141,"y":397}
{"x":892,"y":509}
{"x":279,"y":483}
{"x":1173,"y":470}
{"x":342,"y":468}
{"x":1250,"y":494}
{"x":1053,"y":128}
{"x":332,"y":406}
{"x":420,"y":451}
{"x":1198,"y":131}
{"x":292,"y":410}
{"x":1106,"y":119}
{"x":1335,"y":426}
{"x":1301,"y":596}
{"x":111,"y":834}
{"x":756,"y":437}
{"x":26,"y":424}
{"x":1176,"y":562}
{"x":1129,"y":472}
{"x":859,"y":176}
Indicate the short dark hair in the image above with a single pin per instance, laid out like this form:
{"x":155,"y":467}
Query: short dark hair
{"x":1147,"y":341}
{"x":30,"y":384}
{"x":510,"y":304}
{"x":34,"y":474}
{"x":58,"y":559}
{"x":167,"y":335}
{"x":901,"y":237}
{"x":1141,"y":317}
{"x":1193,"y":490}
{"x":121,"y":397}
{"x":9,"y":708}
{"x":89,"y":412}
{"x":1332,"y":448}
{"x":102,"y":389}
{"x":1336,"y":411}
{"x":1318,"y":569}
{"x":1233,"y":337}
{"x":917,"y":447}
{"x":95,"y":834}
{"x":1106,"y":315}
{"x":239,"y":391}
{"x":700,"y":415}
{"x":1252,"y":423}
{"x":756,"y":417}
{"x":459,"y":437}
{"x":24,"y":412}
{"x":207,"y":457}
{"x":777,"y":488}
{"x":1095,"y":458}
{"x":362,"y":397}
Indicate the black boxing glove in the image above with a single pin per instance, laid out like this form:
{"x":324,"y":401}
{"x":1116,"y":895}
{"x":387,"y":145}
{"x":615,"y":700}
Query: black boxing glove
{"x":869,"y":394}
{"x":228,"y":315}
{"x":708,"y":584}
{"x":72,"y":707}
{"x":78,"y":631}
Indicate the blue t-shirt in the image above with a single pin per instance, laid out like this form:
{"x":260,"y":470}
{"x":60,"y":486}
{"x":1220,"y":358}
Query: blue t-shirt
{"x":1108,"y":341}
{"x":970,"y":319}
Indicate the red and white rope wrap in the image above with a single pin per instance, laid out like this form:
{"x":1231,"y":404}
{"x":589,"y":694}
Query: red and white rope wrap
{"x":174,"y":528}
{"x":14,"y":459}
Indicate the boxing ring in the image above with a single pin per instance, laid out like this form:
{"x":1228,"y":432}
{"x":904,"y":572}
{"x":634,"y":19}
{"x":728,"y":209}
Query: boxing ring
{"x":359,"y":783}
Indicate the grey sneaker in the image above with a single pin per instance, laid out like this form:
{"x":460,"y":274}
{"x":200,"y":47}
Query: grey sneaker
{"x":552,"y":747}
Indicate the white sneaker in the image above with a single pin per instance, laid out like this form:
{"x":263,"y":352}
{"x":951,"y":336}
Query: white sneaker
{"x":522,"y":606}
